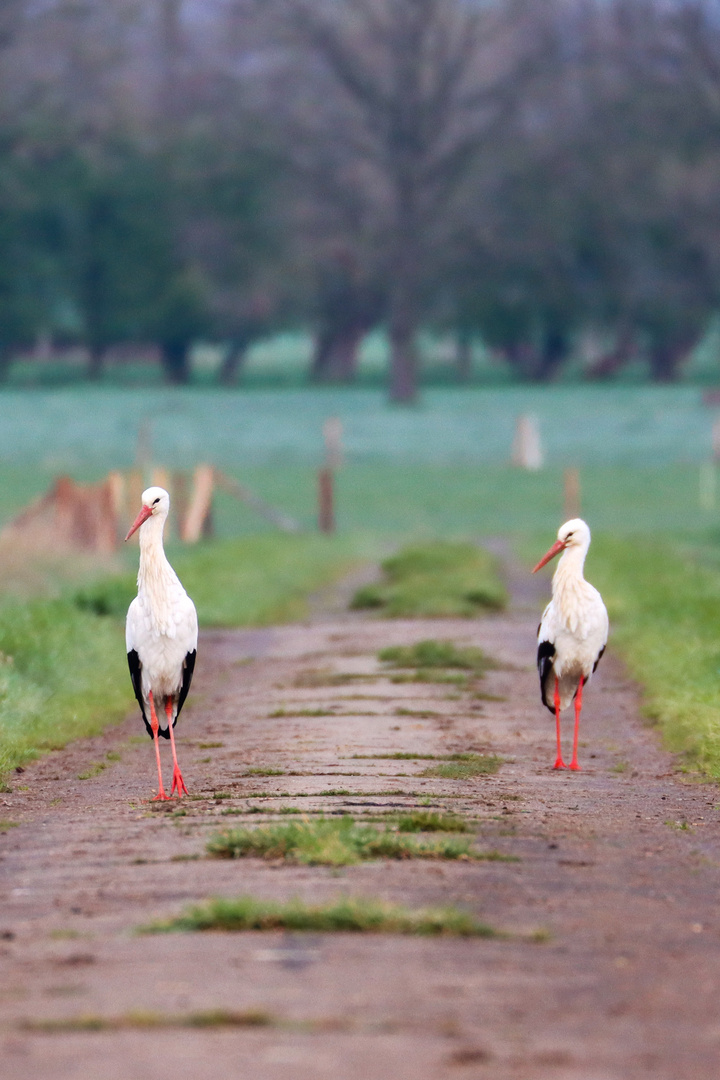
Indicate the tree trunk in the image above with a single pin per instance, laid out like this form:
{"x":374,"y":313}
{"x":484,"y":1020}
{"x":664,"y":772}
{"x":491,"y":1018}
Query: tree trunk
{"x":667,"y":358}
{"x":539,"y":364}
{"x":664,"y":362}
{"x":6,"y":359}
{"x":522,"y":356}
{"x":617,"y":358}
{"x":337,"y":353}
{"x":463,"y":356}
{"x":175,"y":362}
{"x":406,"y":269}
{"x":233,"y":364}
{"x":403,"y":348}
{"x":551,"y":356}
{"x":95,"y":362}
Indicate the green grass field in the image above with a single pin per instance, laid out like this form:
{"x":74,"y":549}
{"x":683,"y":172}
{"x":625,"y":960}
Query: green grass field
{"x":84,"y":428}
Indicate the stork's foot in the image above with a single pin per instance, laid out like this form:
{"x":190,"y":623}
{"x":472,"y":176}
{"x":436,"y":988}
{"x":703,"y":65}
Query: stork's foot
{"x":178,"y":784}
{"x":160,"y":795}
{"x":559,"y":764}
{"x":574,"y":765}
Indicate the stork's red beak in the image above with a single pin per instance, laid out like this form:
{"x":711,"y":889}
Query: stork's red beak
{"x":557,"y":547}
{"x":144,"y":514}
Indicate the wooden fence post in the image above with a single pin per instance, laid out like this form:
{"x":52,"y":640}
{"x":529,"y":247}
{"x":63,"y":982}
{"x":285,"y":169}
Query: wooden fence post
{"x":326,"y":515}
{"x":194,"y":525}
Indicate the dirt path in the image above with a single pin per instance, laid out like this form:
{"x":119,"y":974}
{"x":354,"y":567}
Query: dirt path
{"x":620,"y":864}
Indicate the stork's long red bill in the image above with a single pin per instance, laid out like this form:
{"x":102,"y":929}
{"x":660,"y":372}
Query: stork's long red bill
{"x":557,"y":547}
{"x":142,"y":516}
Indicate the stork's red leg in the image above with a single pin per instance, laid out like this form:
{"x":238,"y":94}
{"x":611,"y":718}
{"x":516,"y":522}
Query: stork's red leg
{"x":178,"y":781}
{"x":155,"y":727}
{"x":559,"y":763}
{"x":578,"y":707}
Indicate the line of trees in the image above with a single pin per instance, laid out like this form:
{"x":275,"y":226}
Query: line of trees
{"x":531,"y":174}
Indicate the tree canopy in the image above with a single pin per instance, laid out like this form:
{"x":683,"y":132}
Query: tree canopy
{"x":533,"y":176}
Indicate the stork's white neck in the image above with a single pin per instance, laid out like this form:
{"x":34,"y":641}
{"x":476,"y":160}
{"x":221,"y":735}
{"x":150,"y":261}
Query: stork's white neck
{"x":570,"y":567}
{"x":569,"y":585}
{"x":155,"y":573}
{"x":151,"y":541}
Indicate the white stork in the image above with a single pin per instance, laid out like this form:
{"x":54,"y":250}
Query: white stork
{"x":161,"y":632}
{"x":573,"y":631}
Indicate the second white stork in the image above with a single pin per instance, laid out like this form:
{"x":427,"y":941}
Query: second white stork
{"x":573,"y":631}
{"x":161,"y":633}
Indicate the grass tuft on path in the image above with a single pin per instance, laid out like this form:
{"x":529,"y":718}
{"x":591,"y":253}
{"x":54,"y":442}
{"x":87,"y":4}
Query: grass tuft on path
{"x":436,"y":579}
{"x":430,"y":821}
{"x":207,"y":1018}
{"x":465,"y":767}
{"x":338,"y":842}
{"x":433,"y":655}
{"x":348,"y":914}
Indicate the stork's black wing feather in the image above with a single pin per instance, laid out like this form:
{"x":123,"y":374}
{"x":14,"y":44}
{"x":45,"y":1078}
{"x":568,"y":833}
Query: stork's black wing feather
{"x":599,"y":658}
{"x":188,"y":668}
{"x":136,"y":676}
{"x":545,"y":654}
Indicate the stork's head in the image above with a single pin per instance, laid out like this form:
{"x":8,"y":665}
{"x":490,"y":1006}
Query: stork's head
{"x":155,"y":503}
{"x":573,"y":534}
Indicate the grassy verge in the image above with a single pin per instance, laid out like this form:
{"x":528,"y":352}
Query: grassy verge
{"x":63,"y":675}
{"x":336,"y":843}
{"x":347,"y":914}
{"x":663,"y":598}
{"x":248,"y":581}
{"x":436,"y":579}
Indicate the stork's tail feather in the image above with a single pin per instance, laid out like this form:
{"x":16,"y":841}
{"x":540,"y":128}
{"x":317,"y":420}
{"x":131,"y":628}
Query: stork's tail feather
{"x":545,"y":654}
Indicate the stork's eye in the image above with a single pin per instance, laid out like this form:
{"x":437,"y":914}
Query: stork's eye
{"x":156,"y":501}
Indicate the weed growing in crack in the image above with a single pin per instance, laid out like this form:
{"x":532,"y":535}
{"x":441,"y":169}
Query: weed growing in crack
{"x":339,"y":842}
{"x":347,"y":914}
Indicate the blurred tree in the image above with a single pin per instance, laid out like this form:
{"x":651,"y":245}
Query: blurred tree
{"x":598,"y":204}
{"x":108,"y":229}
{"x":530,"y":174}
{"x":399,"y":88}
{"x":348,"y":307}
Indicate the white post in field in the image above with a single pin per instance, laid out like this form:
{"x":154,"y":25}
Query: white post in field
{"x":527,"y":448}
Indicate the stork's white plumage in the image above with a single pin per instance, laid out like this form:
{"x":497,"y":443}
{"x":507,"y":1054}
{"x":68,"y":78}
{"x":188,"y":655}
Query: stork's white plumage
{"x":573,"y":630}
{"x":161,"y":633}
